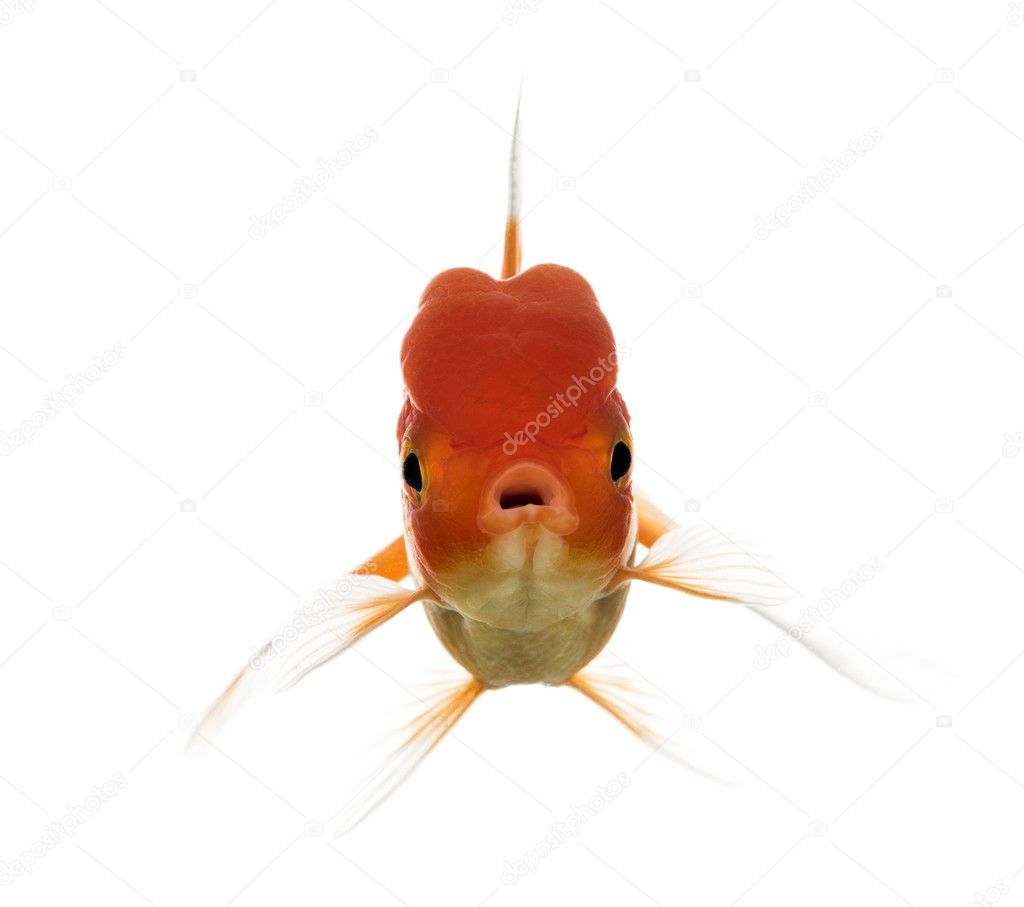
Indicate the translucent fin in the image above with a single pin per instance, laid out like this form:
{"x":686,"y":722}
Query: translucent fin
{"x":512,"y":258}
{"x":373,"y":603}
{"x":246,"y":683}
{"x":852,"y":669}
{"x":655,"y":525}
{"x":613,"y":694}
{"x":425,"y":732}
{"x":610,"y":693}
{"x":703,"y":562}
{"x":320,"y":631}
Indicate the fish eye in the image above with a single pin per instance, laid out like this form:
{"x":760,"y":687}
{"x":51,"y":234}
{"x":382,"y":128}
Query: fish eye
{"x":411,"y":472}
{"x":622,"y":459}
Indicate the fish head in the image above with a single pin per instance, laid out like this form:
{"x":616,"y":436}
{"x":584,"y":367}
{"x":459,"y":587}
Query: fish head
{"x":515,"y":447}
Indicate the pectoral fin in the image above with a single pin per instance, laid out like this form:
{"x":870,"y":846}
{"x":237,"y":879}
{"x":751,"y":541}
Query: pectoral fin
{"x":704,"y":563}
{"x":326,"y":627}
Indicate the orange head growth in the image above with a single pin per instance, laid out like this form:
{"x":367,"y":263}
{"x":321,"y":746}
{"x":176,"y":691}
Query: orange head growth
{"x":488,"y":360}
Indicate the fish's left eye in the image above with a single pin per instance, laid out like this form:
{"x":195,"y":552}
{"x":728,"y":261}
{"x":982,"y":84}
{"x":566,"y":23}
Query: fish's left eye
{"x":622,"y":459}
{"x":411,"y":472}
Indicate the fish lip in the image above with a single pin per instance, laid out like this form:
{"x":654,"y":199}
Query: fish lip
{"x":528,"y":478}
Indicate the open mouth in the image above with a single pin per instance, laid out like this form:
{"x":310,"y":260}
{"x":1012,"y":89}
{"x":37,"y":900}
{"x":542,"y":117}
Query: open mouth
{"x":520,"y":496}
{"x":528,"y":491}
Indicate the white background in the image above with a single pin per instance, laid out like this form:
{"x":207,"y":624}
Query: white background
{"x":128,"y":190}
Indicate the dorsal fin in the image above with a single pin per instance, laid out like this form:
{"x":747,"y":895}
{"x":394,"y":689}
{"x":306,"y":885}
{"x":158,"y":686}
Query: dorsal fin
{"x":513,"y":258}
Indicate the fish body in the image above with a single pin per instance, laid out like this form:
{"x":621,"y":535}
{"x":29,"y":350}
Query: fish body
{"x":522,"y":533}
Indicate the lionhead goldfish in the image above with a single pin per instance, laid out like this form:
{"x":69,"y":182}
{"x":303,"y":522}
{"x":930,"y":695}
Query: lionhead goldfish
{"x":521,"y":524}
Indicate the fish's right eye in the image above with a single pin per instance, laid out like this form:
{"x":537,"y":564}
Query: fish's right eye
{"x":411,"y":472}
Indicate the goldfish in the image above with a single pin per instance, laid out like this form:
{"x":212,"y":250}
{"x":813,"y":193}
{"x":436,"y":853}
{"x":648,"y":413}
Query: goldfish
{"x":522,"y":531}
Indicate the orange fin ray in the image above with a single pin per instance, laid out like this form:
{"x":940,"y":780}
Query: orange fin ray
{"x":651,"y":522}
{"x":426,"y":731}
{"x":705,"y":563}
{"x":654,"y":525}
{"x":374,"y":602}
{"x":614,"y":694}
{"x":391,"y":562}
{"x":322,"y":630}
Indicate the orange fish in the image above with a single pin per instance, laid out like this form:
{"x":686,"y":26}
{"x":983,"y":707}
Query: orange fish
{"x":521,"y":524}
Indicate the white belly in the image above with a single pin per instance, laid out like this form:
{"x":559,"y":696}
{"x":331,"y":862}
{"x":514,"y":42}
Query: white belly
{"x":526,"y":581}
